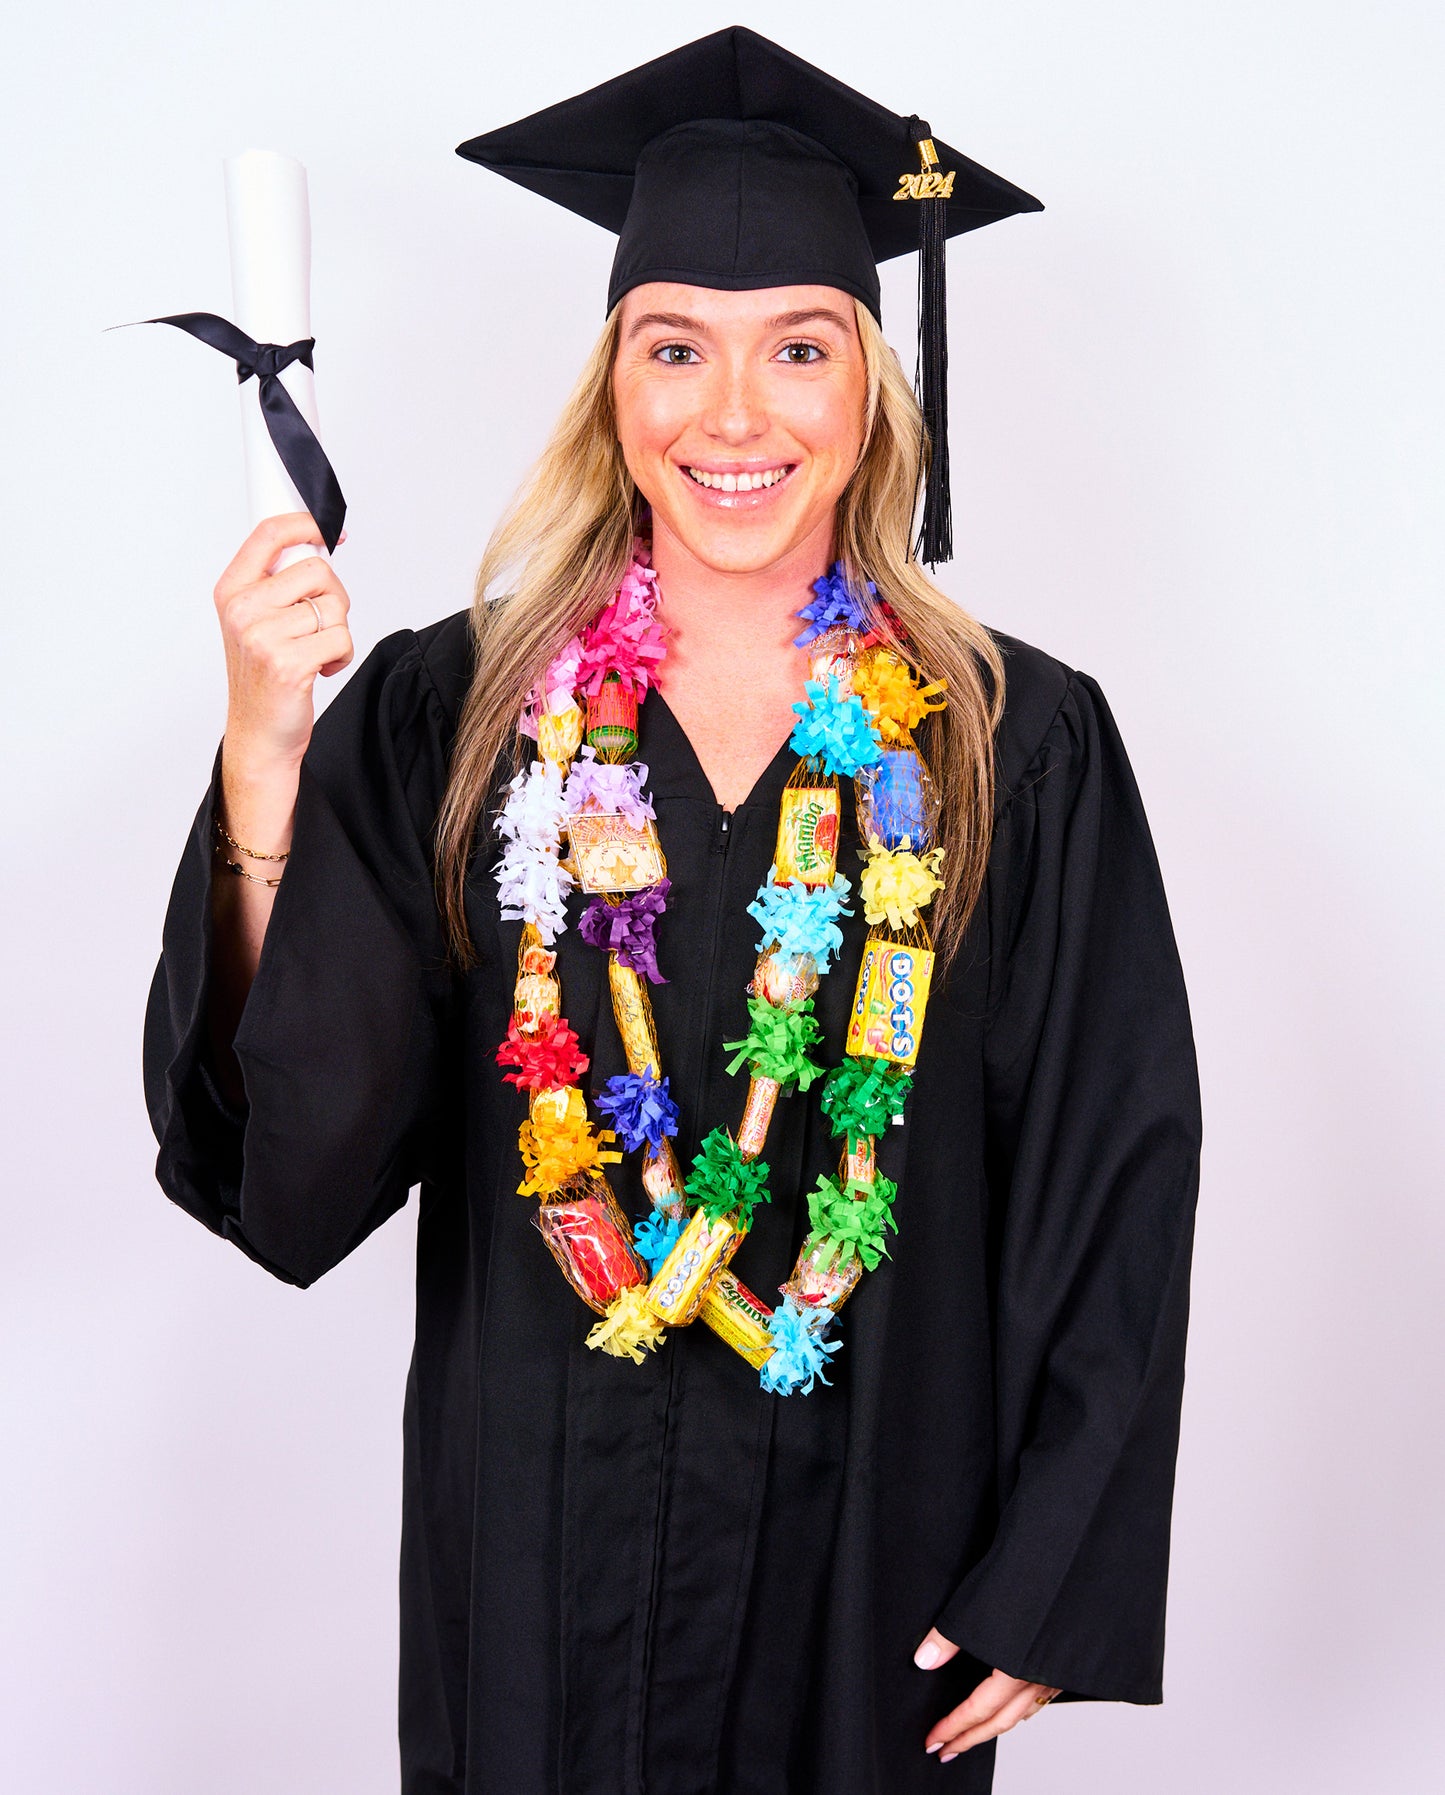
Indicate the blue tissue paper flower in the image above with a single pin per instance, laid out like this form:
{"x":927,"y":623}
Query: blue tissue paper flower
{"x":799,"y":1352}
{"x":835,"y":604}
{"x":654,"y":1237}
{"x":800,"y":920}
{"x":834,"y":728}
{"x":641,"y":1108}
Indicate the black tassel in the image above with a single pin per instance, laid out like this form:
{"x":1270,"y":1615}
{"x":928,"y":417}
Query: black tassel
{"x":935,"y":542}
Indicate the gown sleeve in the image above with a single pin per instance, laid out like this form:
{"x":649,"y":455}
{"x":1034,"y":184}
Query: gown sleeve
{"x":1093,"y":1136}
{"x":339,"y":1043}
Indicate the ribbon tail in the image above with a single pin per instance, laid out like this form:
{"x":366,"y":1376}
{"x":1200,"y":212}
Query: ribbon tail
{"x":304,"y":459}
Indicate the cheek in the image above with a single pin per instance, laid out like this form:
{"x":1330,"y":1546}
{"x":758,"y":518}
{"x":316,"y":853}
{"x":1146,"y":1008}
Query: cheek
{"x":828,"y":420}
{"x":650,"y":416}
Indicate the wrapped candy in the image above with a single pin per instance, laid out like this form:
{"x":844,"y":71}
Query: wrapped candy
{"x":662,"y":1180}
{"x":589,"y":1238}
{"x":633,"y":1012}
{"x":808,"y":835}
{"x":559,"y":734}
{"x":834,"y":653}
{"x":817,"y":1280}
{"x":613,"y":853}
{"x":537,"y":995}
{"x":679,"y":1284}
{"x":612,"y":719}
{"x":898,"y":802}
{"x":784,"y":978}
{"x":757,"y":1114}
{"x":890,"y":1001}
{"x":736,"y":1316}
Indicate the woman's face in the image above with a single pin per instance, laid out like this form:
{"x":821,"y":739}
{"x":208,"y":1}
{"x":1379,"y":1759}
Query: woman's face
{"x":740,"y":416}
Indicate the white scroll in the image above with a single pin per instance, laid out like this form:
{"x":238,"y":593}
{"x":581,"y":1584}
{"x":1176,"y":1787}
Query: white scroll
{"x":269,"y":220}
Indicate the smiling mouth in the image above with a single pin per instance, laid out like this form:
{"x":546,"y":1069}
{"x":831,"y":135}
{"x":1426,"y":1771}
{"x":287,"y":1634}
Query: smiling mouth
{"x":742,"y":480}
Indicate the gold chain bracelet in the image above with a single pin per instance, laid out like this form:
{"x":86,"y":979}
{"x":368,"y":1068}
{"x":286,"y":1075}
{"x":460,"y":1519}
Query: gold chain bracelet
{"x":241,"y":873}
{"x":241,"y":847}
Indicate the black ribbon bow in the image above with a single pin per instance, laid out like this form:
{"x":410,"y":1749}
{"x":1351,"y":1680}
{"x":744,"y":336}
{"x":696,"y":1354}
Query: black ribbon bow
{"x":301,"y":454}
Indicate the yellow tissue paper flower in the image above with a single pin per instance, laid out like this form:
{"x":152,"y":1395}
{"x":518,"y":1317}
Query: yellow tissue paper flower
{"x":890,"y":691}
{"x":897,"y":883}
{"x":555,"y":1150}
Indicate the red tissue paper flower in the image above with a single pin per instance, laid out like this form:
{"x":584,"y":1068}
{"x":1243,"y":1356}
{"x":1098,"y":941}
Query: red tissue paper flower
{"x":550,"y":1058}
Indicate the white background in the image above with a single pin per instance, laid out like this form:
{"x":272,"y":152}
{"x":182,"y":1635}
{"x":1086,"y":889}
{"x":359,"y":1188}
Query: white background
{"x":1197,"y":453}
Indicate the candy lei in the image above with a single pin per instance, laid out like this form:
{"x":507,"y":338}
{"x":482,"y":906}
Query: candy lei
{"x":578,"y":815}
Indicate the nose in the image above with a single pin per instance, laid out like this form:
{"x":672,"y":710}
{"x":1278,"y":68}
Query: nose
{"x":735,"y":413}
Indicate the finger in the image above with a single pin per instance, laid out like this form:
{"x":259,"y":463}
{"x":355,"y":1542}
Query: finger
{"x":934,"y":1650}
{"x":255,"y":555}
{"x":1015,"y":1709}
{"x":302,"y":579}
{"x":982,"y":1704}
{"x":310,"y":616}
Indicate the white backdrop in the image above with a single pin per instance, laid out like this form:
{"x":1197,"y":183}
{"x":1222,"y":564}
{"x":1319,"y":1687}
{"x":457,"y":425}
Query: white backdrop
{"x":1197,"y":452}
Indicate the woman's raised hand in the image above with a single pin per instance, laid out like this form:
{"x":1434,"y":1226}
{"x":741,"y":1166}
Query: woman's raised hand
{"x":280,"y":630}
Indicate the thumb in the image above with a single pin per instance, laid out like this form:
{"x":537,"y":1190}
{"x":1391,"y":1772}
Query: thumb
{"x":935,"y":1650}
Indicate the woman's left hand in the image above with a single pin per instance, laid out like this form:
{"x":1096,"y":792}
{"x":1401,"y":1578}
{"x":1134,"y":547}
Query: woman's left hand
{"x":999,"y":1702}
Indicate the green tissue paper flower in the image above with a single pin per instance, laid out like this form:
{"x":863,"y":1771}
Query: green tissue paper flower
{"x":721,"y":1180}
{"x":862,"y":1096}
{"x":852,"y":1220}
{"x":777,"y":1043}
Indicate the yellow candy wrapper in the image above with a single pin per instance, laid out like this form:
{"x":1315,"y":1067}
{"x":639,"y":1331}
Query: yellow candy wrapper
{"x":892,"y":995}
{"x":735,"y":1315}
{"x":559,"y":734}
{"x":679,"y":1284}
{"x":808,"y":823}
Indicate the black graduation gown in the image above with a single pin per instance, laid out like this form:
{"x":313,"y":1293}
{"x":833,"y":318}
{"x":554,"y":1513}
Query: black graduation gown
{"x":656,"y":1579}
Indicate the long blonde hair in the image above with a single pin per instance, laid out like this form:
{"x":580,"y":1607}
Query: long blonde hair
{"x":561,"y":549}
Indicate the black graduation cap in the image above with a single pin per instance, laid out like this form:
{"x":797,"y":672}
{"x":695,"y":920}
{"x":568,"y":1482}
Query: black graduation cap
{"x":732,"y":163}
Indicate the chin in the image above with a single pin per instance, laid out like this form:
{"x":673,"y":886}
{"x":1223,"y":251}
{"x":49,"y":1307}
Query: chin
{"x":738,"y":545}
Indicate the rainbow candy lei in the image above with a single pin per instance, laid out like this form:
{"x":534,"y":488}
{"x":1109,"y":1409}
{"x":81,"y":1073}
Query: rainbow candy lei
{"x":578,"y":815}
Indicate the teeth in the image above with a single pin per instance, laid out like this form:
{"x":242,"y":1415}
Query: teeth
{"x":738,"y":482}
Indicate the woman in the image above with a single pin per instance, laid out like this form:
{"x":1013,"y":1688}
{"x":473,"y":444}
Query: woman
{"x":639,"y":1555}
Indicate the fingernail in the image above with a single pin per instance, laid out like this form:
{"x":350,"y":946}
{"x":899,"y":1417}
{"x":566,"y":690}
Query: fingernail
{"x":947,"y":1755}
{"x":935,"y":1745}
{"x":927,"y":1655}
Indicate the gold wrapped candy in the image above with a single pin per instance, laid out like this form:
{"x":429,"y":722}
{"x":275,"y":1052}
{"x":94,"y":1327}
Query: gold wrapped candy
{"x":678,"y":1285}
{"x":633,"y":1011}
{"x":662,"y":1180}
{"x":735,"y":1315}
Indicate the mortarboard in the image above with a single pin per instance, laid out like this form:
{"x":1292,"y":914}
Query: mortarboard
{"x":732,"y":163}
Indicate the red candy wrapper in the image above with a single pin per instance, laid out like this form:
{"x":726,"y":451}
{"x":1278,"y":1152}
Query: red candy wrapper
{"x":591,"y":1241}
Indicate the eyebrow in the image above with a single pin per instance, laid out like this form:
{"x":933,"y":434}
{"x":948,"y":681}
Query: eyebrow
{"x":784,"y":321}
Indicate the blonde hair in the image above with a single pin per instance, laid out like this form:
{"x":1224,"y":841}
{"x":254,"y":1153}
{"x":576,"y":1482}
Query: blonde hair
{"x":561,"y":549}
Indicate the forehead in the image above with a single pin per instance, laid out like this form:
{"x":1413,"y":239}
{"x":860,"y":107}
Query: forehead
{"x":716,"y":310}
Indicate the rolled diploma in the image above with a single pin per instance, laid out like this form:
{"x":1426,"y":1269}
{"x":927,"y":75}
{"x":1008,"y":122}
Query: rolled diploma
{"x":269,"y":223}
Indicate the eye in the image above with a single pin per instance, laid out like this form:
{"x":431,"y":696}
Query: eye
{"x":803,"y":355}
{"x":676,"y":355}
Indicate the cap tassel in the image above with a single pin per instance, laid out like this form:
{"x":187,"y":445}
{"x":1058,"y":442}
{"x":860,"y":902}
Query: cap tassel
{"x":935,"y":542}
